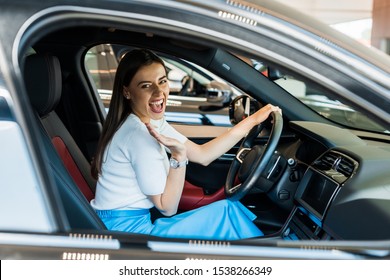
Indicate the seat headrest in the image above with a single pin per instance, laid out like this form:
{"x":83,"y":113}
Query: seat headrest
{"x":42,"y":75}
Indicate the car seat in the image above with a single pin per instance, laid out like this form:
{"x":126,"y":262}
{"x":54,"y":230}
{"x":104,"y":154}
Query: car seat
{"x":44,"y":83}
{"x":70,"y":169}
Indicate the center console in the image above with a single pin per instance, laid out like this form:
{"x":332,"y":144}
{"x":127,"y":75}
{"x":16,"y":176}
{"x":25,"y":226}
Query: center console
{"x":315,"y":193}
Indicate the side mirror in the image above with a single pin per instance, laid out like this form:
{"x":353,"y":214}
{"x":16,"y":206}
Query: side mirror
{"x":218,"y":96}
{"x":217,"y":92}
{"x":242,"y":107}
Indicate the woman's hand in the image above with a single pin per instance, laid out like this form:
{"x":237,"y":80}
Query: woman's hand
{"x":178,"y":150}
{"x":208,"y":152}
{"x":262,"y":114}
{"x":168,"y":202}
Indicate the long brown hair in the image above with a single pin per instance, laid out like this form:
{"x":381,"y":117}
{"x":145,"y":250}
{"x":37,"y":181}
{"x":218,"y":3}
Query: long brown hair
{"x":120,"y":107}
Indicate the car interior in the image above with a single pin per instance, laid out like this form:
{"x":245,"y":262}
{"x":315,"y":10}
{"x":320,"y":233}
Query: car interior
{"x":321,"y":181}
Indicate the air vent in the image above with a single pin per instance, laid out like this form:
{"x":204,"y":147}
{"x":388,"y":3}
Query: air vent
{"x":328,"y":160}
{"x":333,"y":163}
{"x":345,"y":166}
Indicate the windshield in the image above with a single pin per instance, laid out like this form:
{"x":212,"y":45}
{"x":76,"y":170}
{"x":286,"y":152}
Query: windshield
{"x":318,"y":99}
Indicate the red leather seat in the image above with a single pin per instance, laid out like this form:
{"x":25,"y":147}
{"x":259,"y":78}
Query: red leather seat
{"x":44,"y":83}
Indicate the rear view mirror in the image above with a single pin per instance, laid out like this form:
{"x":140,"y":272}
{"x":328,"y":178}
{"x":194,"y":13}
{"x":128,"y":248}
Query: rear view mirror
{"x":274,"y":74}
{"x":242,"y":107}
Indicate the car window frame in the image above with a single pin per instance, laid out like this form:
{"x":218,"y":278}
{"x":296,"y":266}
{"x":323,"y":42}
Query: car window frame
{"x":177,"y":117}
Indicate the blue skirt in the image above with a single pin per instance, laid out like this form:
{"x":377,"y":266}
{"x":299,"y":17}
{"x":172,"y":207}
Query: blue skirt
{"x":221,"y":220}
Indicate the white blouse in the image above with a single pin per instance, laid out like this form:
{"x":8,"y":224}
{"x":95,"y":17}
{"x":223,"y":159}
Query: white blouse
{"x":134,"y":166}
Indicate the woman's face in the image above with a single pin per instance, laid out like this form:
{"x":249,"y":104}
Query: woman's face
{"x":148,"y":92}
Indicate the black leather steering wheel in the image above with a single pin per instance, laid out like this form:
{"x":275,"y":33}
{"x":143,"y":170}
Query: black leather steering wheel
{"x":251,"y":161}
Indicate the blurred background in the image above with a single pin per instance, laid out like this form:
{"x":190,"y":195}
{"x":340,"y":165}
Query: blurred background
{"x":368,"y":21}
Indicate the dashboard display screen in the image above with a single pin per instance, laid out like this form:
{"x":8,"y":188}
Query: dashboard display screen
{"x":316,"y":192}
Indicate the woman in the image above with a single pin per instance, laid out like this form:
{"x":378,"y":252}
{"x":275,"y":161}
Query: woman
{"x":132,"y":166}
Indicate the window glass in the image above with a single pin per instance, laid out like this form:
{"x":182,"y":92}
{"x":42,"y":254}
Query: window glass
{"x":101,"y":64}
{"x":197,"y":96}
{"x":317,"y":98}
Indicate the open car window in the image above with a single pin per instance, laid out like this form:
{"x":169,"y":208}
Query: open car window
{"x":197,"y":96}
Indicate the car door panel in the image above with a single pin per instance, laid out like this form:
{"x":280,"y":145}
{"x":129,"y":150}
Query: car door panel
{"x":204,"y":184}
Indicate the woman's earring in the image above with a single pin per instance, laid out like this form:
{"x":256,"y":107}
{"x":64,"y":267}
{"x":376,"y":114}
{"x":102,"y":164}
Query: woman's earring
{"x":126,"y":93}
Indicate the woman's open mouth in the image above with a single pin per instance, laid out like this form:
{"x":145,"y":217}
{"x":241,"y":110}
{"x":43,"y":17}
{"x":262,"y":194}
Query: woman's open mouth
{"x":157,"y":106}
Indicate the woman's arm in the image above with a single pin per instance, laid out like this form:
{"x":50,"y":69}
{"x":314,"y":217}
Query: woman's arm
{"x":168,"y":202}
{"x":206,"y":153}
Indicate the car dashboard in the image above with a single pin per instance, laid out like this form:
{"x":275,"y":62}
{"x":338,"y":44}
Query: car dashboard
{"x":344,"y":191}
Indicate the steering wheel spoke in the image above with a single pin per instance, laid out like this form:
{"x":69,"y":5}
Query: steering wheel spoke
{"x":242,"y":154}
{"x":251,"y":161}
{"x":234,"y":188}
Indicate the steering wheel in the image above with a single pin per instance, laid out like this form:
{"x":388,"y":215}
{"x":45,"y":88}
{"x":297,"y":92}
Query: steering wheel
{"x":251,"y":161}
